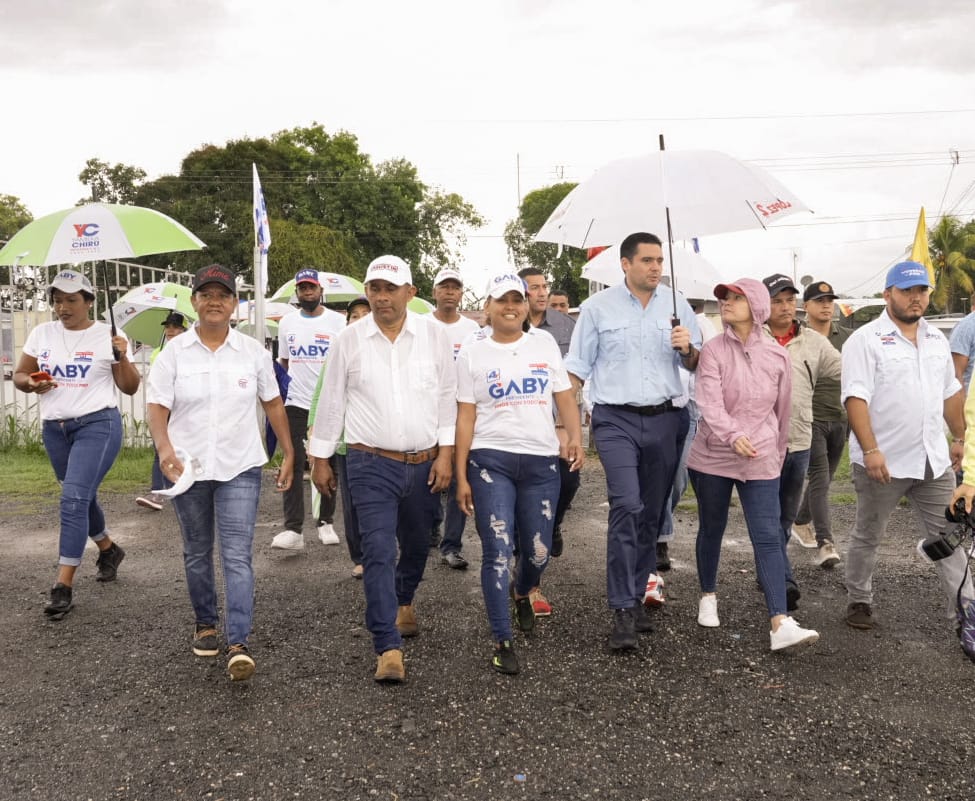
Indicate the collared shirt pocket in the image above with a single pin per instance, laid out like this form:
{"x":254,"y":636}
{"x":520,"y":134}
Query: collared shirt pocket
{"x":612,"y":343}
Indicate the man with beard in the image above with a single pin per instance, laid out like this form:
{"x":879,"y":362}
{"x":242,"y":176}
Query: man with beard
{"x":304,"y":337}
{"x":898,"y":385}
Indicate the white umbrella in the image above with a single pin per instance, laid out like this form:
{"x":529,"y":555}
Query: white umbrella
{"x":697,"y":277}
{"x":706,"y":192}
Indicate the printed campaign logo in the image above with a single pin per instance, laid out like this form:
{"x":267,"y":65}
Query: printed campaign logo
{"x":86,"y":236}
{"x":242,"y":383}
{"x":332,"y":282}
{"x":322,"y":340}
{"x":494,"y":376}
{"x":888,"y":339}
{"x":539,"y":368}
{"x":44,"y":355}
{"x":84,"y":356}
{"x":292,"y":338}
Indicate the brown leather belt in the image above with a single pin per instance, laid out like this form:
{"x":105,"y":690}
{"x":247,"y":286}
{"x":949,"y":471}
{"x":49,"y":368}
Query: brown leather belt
{"x":409,"y":457}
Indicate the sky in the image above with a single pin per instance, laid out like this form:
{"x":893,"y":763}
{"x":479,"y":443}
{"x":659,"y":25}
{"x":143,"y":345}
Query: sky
{"x":862,"y":108}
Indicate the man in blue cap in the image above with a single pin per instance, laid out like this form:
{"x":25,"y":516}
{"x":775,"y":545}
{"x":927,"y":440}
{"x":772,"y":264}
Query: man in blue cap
{"x":898,"y":386}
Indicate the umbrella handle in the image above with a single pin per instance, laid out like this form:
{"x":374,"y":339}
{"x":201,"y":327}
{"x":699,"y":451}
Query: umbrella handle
{"x":116,"y":354}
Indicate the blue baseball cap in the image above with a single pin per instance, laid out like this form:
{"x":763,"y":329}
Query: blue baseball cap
{"x":908,"y":274}
{"x":308,"y":275}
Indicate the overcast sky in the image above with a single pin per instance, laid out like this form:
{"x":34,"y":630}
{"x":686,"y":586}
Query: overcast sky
{"x":855,"y":105}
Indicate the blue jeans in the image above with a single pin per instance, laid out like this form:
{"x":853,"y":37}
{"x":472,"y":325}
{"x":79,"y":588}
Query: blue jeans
{"x":514,"y":495}
{"x":790,"y":494}
{"x":226,"y":509}
{"x":395,"y":509}
{"x":639,"y":454}
{"x":760,"y":503}
{"x":680,"y":485}
{"x":82,"y":451}
{"x":349,"y":520}
{"x":454,"y":521}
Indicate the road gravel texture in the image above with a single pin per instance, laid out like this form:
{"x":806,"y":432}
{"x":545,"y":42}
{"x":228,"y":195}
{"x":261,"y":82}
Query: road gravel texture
{"x":110,"y":703}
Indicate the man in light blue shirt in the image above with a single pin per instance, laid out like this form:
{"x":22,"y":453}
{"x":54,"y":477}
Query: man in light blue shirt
{"x":629,"y":348}
{"x":962,"y":343}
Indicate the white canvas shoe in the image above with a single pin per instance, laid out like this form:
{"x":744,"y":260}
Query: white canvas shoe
{"x":327,"y":535}
{"x":803,"y":534}
{"x":791,"y":635}
{"x":707,"y":612}
{"x":289,"y":540}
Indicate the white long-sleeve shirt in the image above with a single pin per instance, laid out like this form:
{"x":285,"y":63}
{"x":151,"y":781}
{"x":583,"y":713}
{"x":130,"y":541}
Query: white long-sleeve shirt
{"x":399,"y":396}
{"x":905,"y":388}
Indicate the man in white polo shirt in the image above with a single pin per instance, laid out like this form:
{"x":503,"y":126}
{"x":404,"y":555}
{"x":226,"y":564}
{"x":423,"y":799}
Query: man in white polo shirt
{"x":898,"y":385}
{"x":391,"y":386}
{"x":304,"y":337}
{"x":448,"y":291}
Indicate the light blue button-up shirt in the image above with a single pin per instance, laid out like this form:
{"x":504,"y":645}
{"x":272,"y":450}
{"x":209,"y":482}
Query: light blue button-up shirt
{"x":623,"y":349}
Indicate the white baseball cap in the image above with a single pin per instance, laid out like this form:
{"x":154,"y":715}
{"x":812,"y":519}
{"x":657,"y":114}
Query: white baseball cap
{"x":71,"y":281}
{"x":503,"y":283}
{"x":448,"y":274}
{"x":389,"y":268}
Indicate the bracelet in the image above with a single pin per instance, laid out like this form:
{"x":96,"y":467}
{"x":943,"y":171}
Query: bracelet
{"x":559,"y":425}
{"x":872,"y":450}
{"x":958,"y":440}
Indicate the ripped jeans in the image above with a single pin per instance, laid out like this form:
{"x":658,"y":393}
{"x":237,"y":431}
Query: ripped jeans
{"x":512,"y":492}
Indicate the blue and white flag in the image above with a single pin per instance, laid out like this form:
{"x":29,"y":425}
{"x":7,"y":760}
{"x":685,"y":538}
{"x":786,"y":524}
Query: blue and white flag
{"x":262,"y":233}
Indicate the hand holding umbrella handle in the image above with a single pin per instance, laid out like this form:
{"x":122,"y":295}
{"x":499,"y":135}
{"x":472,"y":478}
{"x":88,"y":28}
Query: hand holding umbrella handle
{"x":116,"y":354}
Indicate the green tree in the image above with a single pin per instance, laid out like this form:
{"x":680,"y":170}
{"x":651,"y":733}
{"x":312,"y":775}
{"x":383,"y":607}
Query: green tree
{"x":952,"y":246}
{"x":107,"y":183}
{"x":565,"y":270}
{"x":318,"y":187}
{"x":13,"y":216}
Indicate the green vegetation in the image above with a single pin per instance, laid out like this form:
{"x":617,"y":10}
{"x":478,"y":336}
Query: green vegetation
{"x":26,"y":474}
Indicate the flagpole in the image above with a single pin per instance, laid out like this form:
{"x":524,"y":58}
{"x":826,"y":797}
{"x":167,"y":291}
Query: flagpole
{"x":262,"y":239}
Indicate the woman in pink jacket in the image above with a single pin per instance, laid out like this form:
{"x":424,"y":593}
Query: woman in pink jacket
{"x":744,"y":386}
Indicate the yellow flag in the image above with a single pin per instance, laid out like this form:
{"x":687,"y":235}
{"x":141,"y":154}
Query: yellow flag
{"x":919,"y":251}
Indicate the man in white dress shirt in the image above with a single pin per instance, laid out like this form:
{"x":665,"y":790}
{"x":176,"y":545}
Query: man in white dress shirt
{"x":898,"y":385}
{"x":391,"y":386}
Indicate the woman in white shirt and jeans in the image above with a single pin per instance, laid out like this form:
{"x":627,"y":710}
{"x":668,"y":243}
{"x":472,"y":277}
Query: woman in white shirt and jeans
{"x":72,"y":364}
{"x":506,"y":450}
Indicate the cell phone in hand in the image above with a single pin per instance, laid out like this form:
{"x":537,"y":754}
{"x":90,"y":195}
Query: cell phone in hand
{"x":40,"y":375}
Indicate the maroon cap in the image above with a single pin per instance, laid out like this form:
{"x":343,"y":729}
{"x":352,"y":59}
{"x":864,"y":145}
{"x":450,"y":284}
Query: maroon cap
{"x":721,"y":290}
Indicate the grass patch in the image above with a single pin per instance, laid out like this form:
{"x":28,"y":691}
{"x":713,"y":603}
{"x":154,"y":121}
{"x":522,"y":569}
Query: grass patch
{"x":26,"y":473}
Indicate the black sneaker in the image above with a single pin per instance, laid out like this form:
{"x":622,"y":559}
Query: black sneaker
{"x":792,"y":596}
{"x":454,"y":560}
{"x":505,"y":660}
{"x":623,"y":636}
{"x":558,"y":544}
{"x":108,"y":562}
{"x":663,"y":557}
{"x":525,"y":614}
{"x":205,"y":640}
{"x":60,"y":603}
{"x":641,"y":620}
{"x":240,"y":666}
{"x":435,"y":537}
{"x":860,"y":616}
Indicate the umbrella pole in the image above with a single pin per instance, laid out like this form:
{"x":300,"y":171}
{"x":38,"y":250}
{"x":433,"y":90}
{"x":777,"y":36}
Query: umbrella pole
{"x":111,"y":314}
{"x":674,"y":320}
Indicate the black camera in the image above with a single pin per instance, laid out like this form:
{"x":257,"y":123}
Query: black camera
{"x":943,"y":545}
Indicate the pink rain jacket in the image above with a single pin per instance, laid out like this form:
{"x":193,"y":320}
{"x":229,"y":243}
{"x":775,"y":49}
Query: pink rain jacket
{"x":743,"y":389}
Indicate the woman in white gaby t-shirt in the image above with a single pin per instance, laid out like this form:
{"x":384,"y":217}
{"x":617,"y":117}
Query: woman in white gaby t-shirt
{"x":75,"y":365}
{"x":506,"y":452}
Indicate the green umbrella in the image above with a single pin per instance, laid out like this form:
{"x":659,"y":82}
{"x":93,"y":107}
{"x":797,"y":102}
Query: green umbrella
{"x":140,"y":311}
{"x":96,"y":231}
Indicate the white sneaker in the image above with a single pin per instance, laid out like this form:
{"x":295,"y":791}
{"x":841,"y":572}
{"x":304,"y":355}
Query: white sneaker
{"x":289,"y":540}
{"x":707,"y":612}
{"x":151,"y":501}
{"x":790,"y":635}
{"x":803,"y":534}
{"x":654,"y":596}
{"x":327,"y":535}
{"x":827,"y":556}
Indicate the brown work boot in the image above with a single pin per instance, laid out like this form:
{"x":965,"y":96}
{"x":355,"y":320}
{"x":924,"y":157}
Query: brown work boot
{"x":389,"y":667}
{"x":406,"y":621}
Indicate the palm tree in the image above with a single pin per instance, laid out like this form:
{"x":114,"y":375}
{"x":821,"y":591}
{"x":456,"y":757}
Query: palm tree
{"x":950,"y":243}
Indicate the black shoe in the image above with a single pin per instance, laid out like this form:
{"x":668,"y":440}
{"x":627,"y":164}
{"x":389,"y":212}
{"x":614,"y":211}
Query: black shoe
{"x":205,"y":640}
{"x":641,"y":620}
{"x":505,"y":660}
{"x":557,"y":542}
{"x":108,"y":562}
{"x":240,"y":665}
{"x":623,"y":636}
{"x":663,"y":558}
{"x":524,"y":614}
{"x":792,"y":596}
{"x":435,"y":537}
{"x":454,"y":560}
{"x":60,"y":603}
